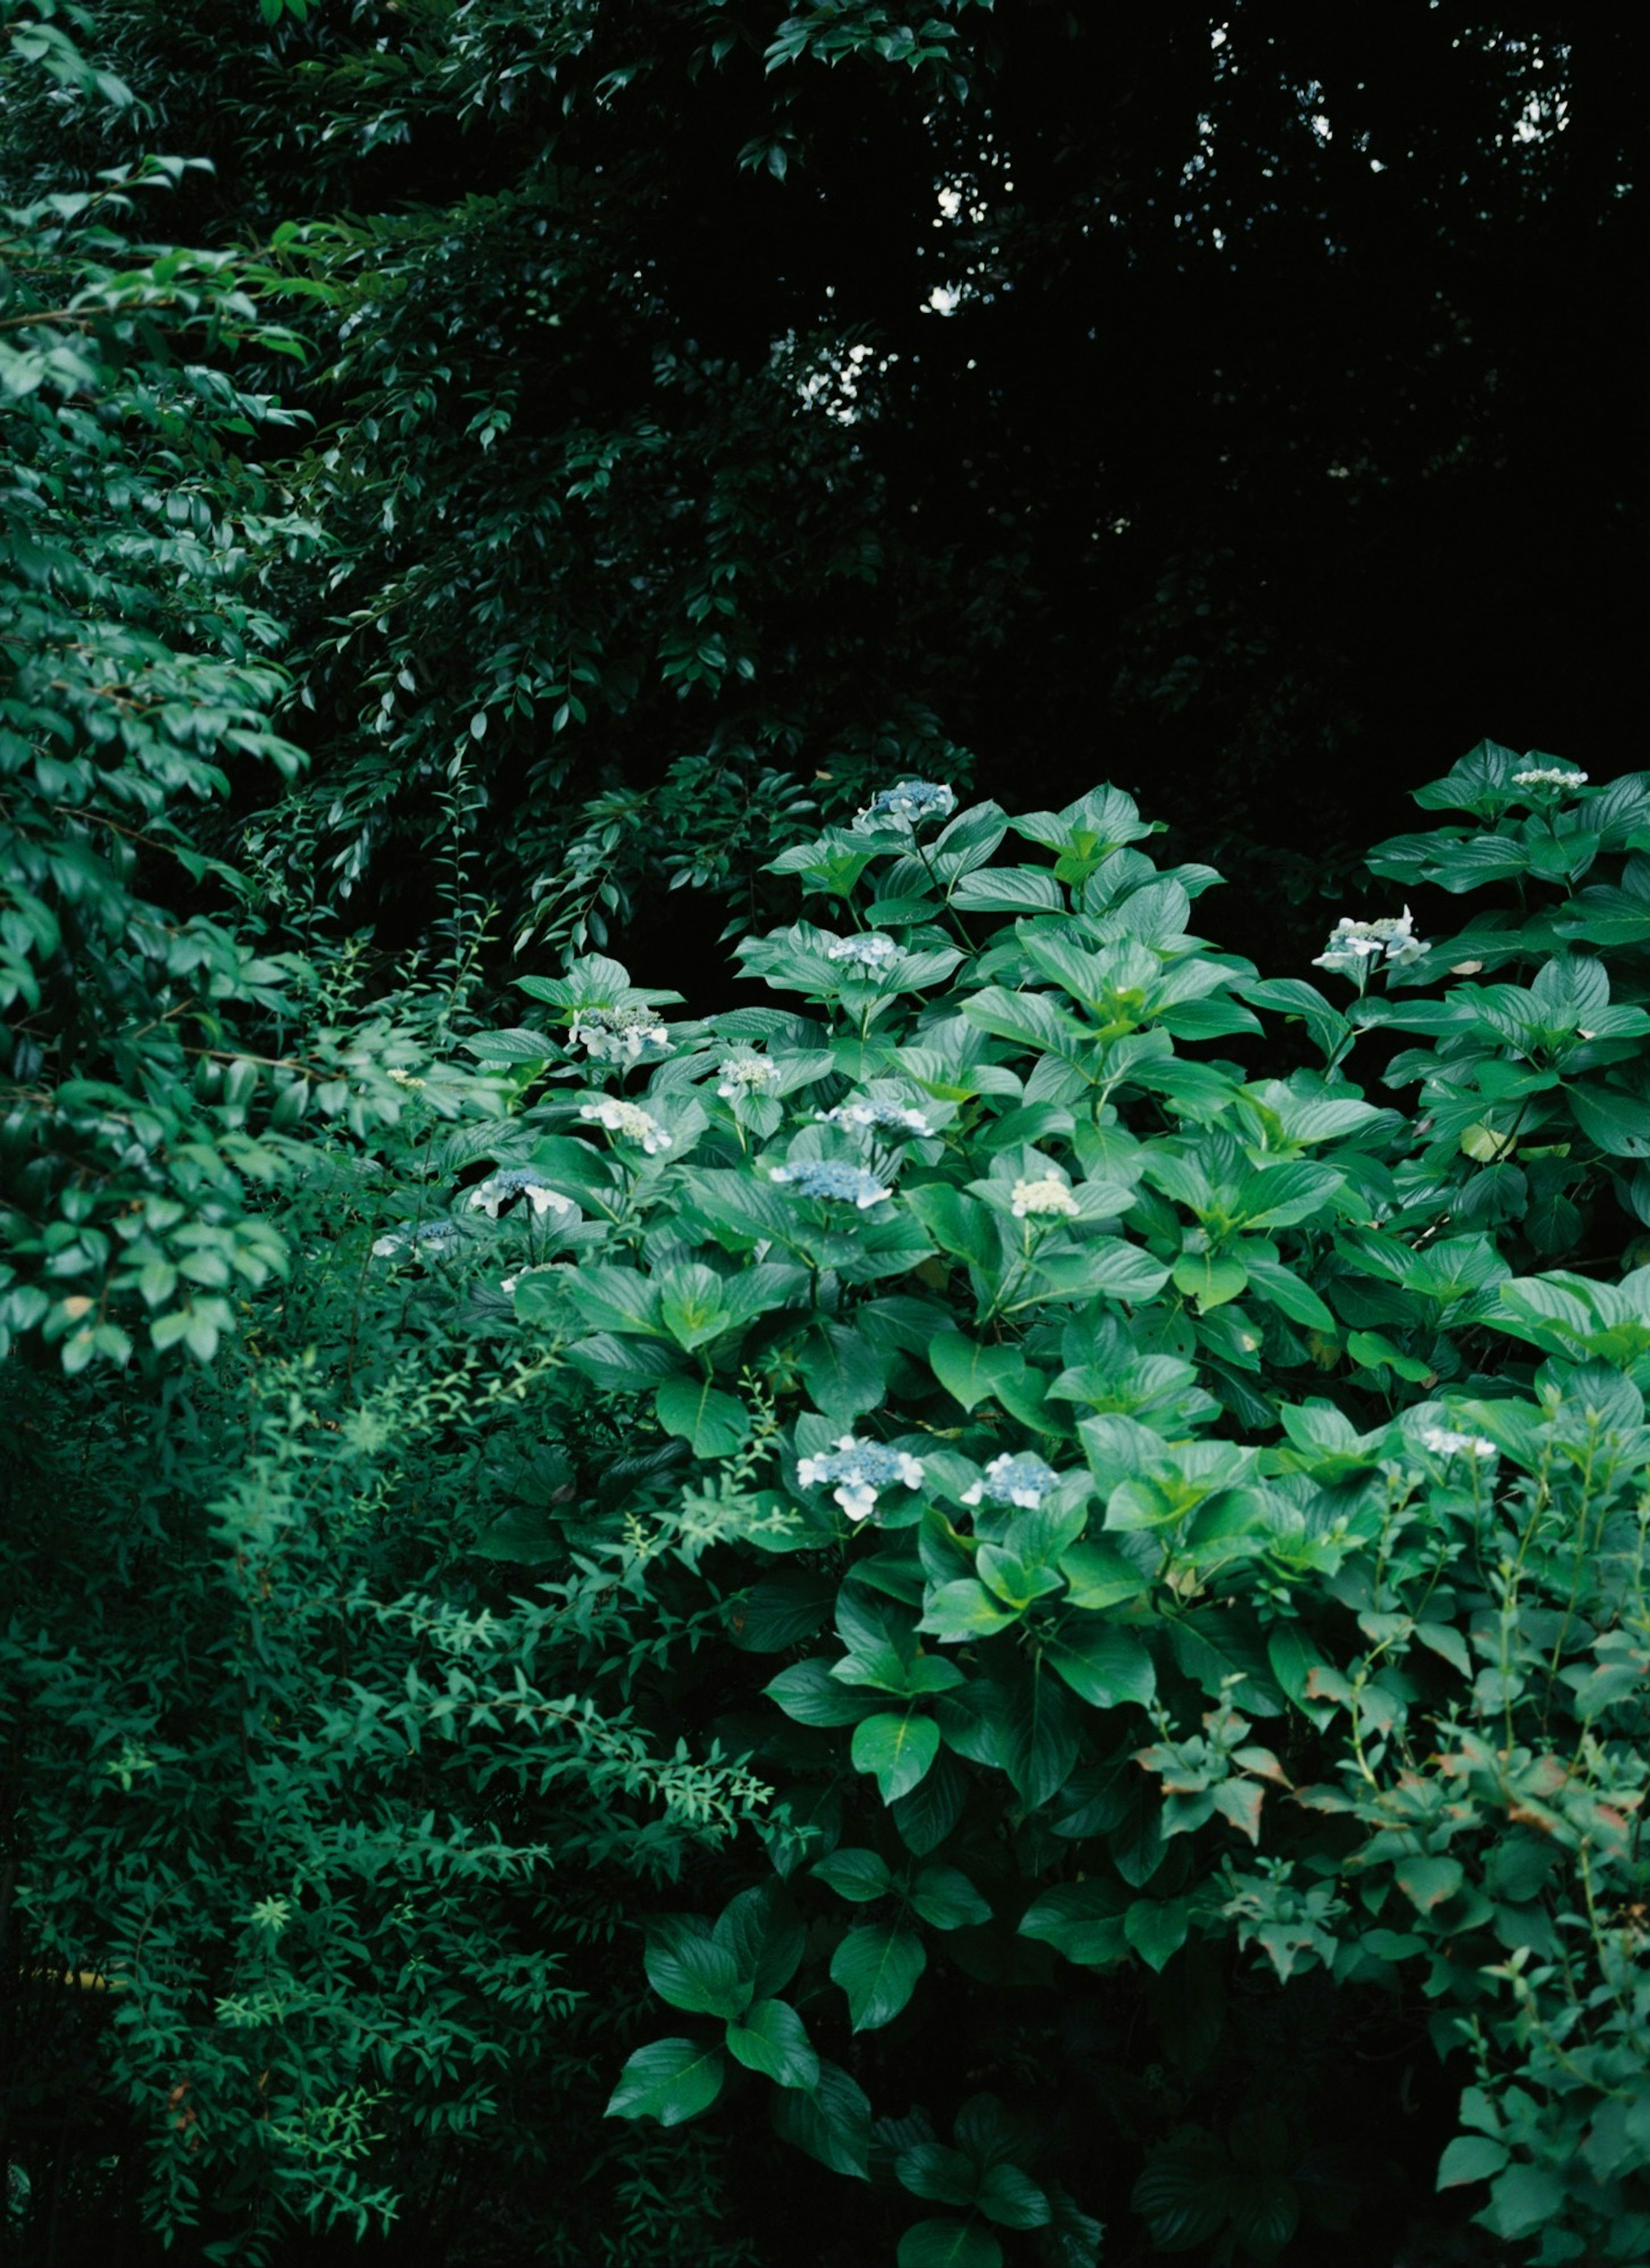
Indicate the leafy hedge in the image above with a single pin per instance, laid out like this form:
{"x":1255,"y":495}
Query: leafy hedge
{"x":981,"y":1524}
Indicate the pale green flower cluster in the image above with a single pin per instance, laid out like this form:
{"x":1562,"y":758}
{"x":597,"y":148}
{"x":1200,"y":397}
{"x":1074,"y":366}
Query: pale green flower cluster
{"x":1550,"y":776}
{"x":1047,"y":1199}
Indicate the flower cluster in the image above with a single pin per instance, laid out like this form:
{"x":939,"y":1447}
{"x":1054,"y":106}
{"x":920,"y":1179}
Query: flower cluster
{"x":1550,"y":776}
{"x":517,"y":1182}
{"x":1354,"y":945}
{"x":873,"y":1114}
{"x":867,"y":952}
{"x":627,"y":1120}
{"x":1045,"y":1200}
{"x":745,"y":1075}
{"x":617,"y":1035}
{"x":825,"y":1178}
{"x":436,"y":1233}
{"x":1023,"y":1481}
{"x":1443,"y":1443}
{"x":861,"y":1470}
{"x":909,"y":805}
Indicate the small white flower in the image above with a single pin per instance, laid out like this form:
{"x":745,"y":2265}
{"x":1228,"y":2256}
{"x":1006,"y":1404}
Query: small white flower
{"x":861,"y":1470}
{"x":1023,"y":1481}
{"x":826,"y":1178}
{"x":404,"y":1078}
{"x":1443,"y":1443}
{"x":1550,"y":776}
{"x":518,"y":1180}
{"x":1353,"y":943}
{"x":627,"y":1120}
{"x":878,"y":1117}
{"x":745,"y":1075}
{"x":869,"y":951}
{"x":1049,"y":1198}
{"x":617,"y":1035}
{"x":907,"y":805}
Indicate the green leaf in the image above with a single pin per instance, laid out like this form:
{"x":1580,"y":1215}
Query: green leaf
{"x":1156,"y":1928}
{"x":1523,"y":2199}
{"x":772,"y":2037}
{"x":938,"y":2174}
{"x":1098,"y":1575}
{"x":830,"y":2121}
{"x":1083,"y":1920}
{"x":1012,"y":2198}
{"x":713,"y":1424}
{"x":1470,"y":2158}
{"x":897,"y":1750}
{"x":808,"y":1692}
{"x":1429,"y":1882}
{"x":859,"y":1875}
{"x":877,"y":1967}
{"x":957,"y":1612}
{"x":1618,"y":1122}
{"x":686,"y":1967}
{"x":1209,"y":1279}
{"x":949,"y":2244}
{"x":843,"y":1371}
{"x":670,"y":2080}
{"x":1102,"y":1664}
{"x":947,"y":1899}
{"x":969,"y":1372}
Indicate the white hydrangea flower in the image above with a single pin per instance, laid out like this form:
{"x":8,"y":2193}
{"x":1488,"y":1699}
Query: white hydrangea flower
{"x":1352,"y":944}
{"x":617,"y":1035}
{"x":907,"y":805}
{"x":514,"y":1181}
{"x":1023,"y":1481}
{"x":876,"y":1117}
{"x":1550,"y":776}
{"x":436,"y":1233}
{"x":1047,"y":1199}
{"x":826,"y":1178}
{"x":627,"y":1120}
{"x":1443,"y":1443}
{"x":861,"y":1470}
{"x":869,"y":951}
{"x":745,"y":1075}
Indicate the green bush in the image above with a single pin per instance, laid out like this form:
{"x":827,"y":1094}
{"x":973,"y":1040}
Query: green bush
{"x":1057,"y":1584}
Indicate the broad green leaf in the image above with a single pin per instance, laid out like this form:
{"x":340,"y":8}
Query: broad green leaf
{"x":713,"y":1424}
{"x":686,"y":1967}
{"x":1430,"y":1882}
{"x":1082,"y":1920}
{"x":859,"y":1875}
{"x":844,"y":1371}
{"x":969,"y":1373}
{"x":1156,"y":1928}
{"x":897,"y":1750}
{"x":670,"y":2080}
{"x":877,"y":1967}
{"x":772,"y":2037}
{"x":1619,"y":1123}
{"x":949,"y":2244}
{"x":1098,"y":1575}
{"x":1470,"y":2158}
{"x":830,"y":2121}
{"x":1209,"y":1278}
{"x":1102,"y":1664}
{"x":947,"y":1899}
{"x":1011,"y":2198}
{"x":808,"y":1692}
{"x":938,"y":2174}
{"x":957,"y":1612}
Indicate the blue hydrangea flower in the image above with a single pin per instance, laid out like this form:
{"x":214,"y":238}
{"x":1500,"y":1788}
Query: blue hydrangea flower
{"x":907,"y":806}
{"x":1023,"y":1481}
{"x":861,"y":1470}
{"x":514,"y":1181}
{"x":876,"y":1115}
{"x":437,"y":1234}
{"x":870,"y":951}
{"x":825,"y":1178}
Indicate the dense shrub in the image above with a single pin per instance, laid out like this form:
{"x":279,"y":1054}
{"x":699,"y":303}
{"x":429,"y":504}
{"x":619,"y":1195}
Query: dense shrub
{"x":1087,"y":1605}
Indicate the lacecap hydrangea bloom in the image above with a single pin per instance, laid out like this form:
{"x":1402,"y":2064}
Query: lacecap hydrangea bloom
{"x":745,"y":1075}
{"x":907,"y":805}
{"x":1354,"y":944}
{"x":518,"y":1181}
{"x":1550,"y":776}
{"x":1048,"y":1199}
{"x":1023,"y":1481}
{"x":1444,"y":1443}
{"x":870,"y":951}
{"x":628,"y":1121}
{"x":860,"y":1471}
{"x":617,"y":1035}
{"x":876,"y":1117}
{"x":436,"y":1234}
{"x":840,"y":1184}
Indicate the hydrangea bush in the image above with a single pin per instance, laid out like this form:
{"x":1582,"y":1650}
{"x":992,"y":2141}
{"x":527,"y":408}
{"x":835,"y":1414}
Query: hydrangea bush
{"x":1194,"y":1521}
{"x":1142,"y":1465}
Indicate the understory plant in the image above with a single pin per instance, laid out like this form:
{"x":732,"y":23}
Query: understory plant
{"x":1003,"y":1576}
